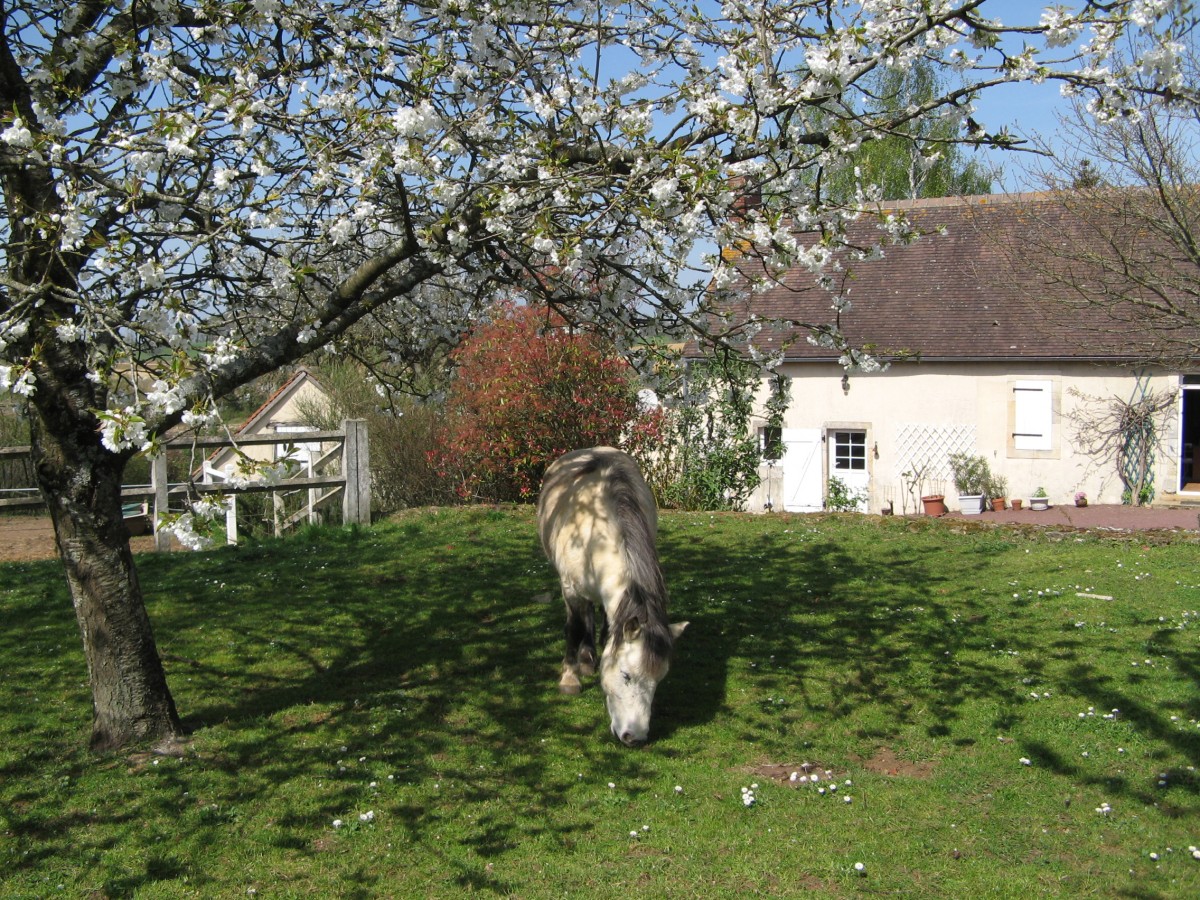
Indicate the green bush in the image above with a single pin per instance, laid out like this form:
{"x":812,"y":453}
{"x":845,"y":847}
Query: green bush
{"x":840,"y":498}
{"x":971,"y":473}
{"x":707,"y":454}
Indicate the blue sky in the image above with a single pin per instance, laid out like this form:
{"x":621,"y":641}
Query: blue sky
{"x":1027,"y":109}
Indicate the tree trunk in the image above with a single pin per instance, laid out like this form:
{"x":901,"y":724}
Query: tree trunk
{"x":81,"y":482}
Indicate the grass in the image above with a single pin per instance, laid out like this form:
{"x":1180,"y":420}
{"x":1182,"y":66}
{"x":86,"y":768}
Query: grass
{"x":1003,"y":713}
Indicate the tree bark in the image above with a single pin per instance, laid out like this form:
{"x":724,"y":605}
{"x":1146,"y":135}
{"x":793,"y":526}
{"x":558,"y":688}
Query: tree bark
{"x":81,"y":482}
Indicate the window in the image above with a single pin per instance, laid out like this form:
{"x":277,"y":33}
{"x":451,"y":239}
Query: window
{"x":770,"y":442}
{"x":1033,"y":418}
{"x":850,"y":451}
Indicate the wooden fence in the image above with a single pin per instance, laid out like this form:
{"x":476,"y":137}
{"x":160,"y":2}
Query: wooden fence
{"x":352,"y":481}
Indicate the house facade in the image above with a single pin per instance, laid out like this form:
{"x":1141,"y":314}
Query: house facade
{"x":994,"y":360}
{"x":889,"y":437}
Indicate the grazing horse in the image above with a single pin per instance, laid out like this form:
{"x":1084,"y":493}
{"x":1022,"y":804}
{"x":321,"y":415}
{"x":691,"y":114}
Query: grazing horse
{"x":598,"y":526}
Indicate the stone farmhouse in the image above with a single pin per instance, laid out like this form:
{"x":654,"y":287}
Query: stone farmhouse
{"x":1005,"y":361}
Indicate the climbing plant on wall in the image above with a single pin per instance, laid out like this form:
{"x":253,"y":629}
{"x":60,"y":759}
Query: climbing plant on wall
{"x":1125,"y":434}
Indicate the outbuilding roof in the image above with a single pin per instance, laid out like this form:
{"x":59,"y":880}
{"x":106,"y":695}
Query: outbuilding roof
{"x":984,"y":282}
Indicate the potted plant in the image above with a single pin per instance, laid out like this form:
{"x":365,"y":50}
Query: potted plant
{"x":997,"y":490}
{"x":1080,"y":498}
{"x":934,"y":504}
{"x":971,"y":477}
{"x":1039,"y":500}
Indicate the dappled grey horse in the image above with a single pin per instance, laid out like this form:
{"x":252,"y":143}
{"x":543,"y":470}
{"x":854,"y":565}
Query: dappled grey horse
{"x":598,"y":525}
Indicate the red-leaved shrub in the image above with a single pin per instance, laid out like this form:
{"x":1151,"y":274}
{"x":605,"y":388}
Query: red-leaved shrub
{"x":526,"y":390}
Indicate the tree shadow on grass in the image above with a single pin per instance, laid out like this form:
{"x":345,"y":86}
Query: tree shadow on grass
{"x":870,"y":630}
{"x":423,"y":665}
{"x":415,"y":656}
{"x":788,"y":607}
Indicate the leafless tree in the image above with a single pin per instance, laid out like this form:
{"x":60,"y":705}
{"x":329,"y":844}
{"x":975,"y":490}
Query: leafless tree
{"x":1115,"y":240}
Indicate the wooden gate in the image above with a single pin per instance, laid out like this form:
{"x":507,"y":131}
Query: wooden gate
{"x":352,"y":482}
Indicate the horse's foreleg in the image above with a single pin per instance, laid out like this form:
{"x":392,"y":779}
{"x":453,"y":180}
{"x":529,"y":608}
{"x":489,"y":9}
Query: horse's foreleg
{"x":585,"y":656}
{"x":580,"y":658}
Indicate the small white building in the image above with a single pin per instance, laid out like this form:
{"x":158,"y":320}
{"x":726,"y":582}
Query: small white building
{"x":283,"y":413}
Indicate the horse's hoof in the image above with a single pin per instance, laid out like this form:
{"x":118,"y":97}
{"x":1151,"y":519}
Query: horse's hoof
{"x":586,"y":662}
{"x":571,"y":689}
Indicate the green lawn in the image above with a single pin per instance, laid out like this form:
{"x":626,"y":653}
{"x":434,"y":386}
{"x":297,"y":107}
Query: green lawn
{"x":968,"y":711}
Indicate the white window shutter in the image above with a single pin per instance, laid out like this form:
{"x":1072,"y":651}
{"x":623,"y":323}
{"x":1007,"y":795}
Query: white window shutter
{"x":1034,"y":418}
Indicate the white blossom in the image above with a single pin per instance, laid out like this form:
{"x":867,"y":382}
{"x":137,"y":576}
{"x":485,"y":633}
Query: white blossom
{"x":123,"y":429}
{"x":1061,"y":28}
{"x":340,"y":231}
{"x":1145,"y":13}
{"x":165,"y":399}
{"x":17,"y":135}
{"x":70,"y":331}
{"x":200,"y":418}
{"x":415,"y":121}
{"x":665,"y":190}
{"x":151,"y":274}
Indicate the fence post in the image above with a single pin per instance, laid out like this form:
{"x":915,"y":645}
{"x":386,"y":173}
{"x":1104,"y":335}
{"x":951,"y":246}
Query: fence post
{"x":158,"y":484}
{"x":356,"y":460}
{"x":231,"y":531}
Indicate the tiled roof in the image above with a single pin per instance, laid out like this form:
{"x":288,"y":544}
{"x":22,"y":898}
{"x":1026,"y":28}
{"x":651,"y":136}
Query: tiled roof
{"x":975,"y":291}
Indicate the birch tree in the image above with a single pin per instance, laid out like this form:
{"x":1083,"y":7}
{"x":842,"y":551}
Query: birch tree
{"x":196,"y":193}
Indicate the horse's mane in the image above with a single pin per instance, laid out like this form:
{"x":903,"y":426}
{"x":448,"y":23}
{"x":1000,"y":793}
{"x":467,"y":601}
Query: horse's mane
{"x":646,"y":597}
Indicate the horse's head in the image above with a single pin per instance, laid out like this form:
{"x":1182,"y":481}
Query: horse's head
{"x":630,"y":670}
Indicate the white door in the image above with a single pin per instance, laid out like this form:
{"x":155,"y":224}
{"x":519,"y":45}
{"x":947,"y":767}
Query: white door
{"x":801,"y":467}
{"x":848,"y":462}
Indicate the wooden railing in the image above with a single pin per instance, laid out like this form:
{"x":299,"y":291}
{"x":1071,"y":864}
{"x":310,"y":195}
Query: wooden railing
{"x":352,"y":482}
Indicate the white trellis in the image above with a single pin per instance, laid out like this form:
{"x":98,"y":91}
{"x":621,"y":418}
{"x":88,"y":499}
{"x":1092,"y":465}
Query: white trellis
{"x":927,"y":448}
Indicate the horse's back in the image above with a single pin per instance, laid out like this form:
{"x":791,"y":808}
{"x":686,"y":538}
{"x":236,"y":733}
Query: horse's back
{"x":590,"y":502}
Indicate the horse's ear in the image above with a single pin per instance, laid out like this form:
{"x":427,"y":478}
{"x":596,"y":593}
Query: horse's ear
{"x":632,"y":629}
{"x":677,"y":629}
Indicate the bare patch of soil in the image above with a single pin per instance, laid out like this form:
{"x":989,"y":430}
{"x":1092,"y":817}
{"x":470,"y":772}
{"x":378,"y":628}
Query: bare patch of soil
{"x":25,"y":538}
{"x":175,"y":748}
{"x":784,"y":772}
{"x":29,"y":538}
{"x":886,"y":762}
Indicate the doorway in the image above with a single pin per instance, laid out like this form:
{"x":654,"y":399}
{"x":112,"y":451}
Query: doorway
{"x":848,"y":462}
{"x":1189,"y":435}
{"x":801,"y":466}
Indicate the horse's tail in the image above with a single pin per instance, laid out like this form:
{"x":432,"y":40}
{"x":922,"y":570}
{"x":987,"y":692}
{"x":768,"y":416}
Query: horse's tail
{"x":646,"y":595}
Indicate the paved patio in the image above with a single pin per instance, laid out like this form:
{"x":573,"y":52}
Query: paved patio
{"x":1113,"y":517}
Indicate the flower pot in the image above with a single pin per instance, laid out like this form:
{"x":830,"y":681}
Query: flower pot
{"x":997,"y":504}
{"x":1039,"y":502}
{"x":1082,"y":502}
{"x":1016,"y":502}
{"x":970,"y":504}
{"x":935,"y":505}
